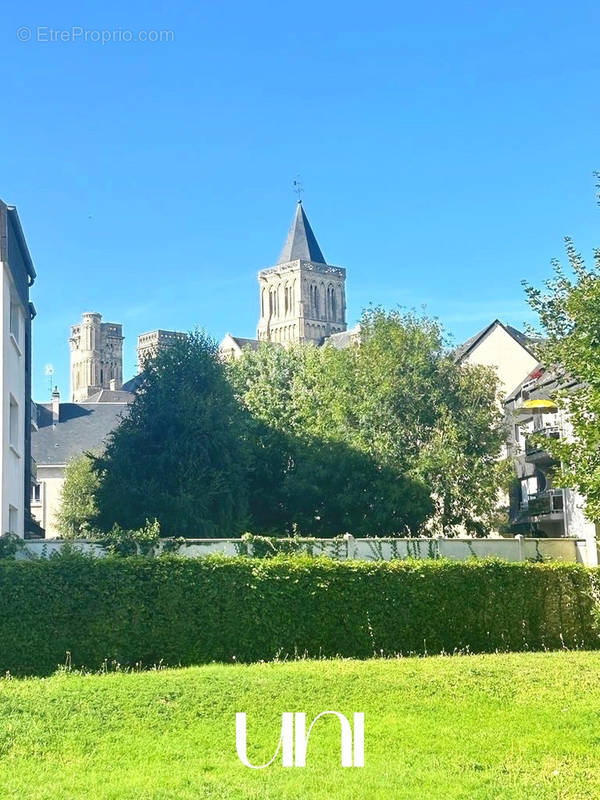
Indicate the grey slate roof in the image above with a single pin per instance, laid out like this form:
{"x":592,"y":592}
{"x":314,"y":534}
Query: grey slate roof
{"x":81,"y":427}
{"x":544,"y":382}
{"x":253,"y":344}
{"x":301,"y":243}
{"x":111,"y":396}
{"x":344,"y":339}
{"x":133,"y":384}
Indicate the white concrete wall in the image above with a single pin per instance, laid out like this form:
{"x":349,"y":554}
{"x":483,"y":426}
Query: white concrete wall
{"x":517,"y":549}
{"x":12,"y":382}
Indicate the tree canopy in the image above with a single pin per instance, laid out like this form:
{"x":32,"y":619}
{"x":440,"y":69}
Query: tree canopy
{"x":179,"y":454}
{"x":568,"y":307}
{"x":421,"y":421}
{"x":387,"y":437}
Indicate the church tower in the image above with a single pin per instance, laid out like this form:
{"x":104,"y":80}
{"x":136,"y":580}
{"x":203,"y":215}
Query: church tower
{"x":96,"y":356}
{"x":302,"y":298}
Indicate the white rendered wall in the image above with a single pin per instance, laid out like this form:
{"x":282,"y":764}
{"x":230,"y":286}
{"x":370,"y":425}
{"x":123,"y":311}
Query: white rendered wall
{"x":12,"y":377}
{"x":51,"y":479}
{"x":512,"y":362}
{"x":460,"y":548}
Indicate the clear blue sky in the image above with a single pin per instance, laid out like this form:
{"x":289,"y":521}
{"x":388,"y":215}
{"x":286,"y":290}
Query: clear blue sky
{"x":445,"y":149}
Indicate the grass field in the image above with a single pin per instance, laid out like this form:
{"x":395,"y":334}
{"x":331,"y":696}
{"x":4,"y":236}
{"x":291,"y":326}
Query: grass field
{"x":495,"y":726}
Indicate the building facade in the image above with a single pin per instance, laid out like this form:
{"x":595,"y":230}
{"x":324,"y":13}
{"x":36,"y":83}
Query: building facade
{"x":232,"y":347}
{"x":302,"y":298}
{"x":538,"y":507}
{"x":148,"y":344}
{"x":96,"y":356}
{"x":16,"y":467}
{"x":65,"y":431}
{"x":508,"y":352}
{"x":505,"y":349}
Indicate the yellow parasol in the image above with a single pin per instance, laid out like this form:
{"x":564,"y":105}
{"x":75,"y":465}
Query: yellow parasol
{"x":537,"y":404}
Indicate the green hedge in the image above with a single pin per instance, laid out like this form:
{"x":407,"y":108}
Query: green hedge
{"x":178,"y":610}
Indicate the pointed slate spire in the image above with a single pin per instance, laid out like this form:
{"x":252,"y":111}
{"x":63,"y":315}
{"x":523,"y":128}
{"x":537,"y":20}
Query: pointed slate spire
{"x":301,"y":242}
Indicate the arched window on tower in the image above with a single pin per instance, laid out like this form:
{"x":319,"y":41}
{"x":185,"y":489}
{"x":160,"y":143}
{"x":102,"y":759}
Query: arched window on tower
{"x":316,"y":295}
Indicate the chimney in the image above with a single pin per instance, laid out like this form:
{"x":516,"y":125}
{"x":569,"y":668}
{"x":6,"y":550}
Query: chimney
{"x":55,"y":406}
{"x":112,"y":385}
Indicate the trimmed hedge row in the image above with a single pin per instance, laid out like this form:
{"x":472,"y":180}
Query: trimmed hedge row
{"x":178,"y":610}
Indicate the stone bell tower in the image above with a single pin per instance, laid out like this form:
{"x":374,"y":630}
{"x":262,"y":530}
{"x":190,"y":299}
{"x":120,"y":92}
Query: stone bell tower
{"x":302,"y":298}
{"x":96,"y":356}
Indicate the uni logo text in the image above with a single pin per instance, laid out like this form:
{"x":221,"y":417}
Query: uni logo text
{"x":293,"y":740}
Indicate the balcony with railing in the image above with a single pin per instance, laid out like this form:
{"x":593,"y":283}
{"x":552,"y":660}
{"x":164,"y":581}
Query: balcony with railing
{"x":547,"y":504}
{"x":535,"y":452}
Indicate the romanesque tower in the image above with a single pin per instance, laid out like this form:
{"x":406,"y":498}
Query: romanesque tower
{"x":302,"y":298}
{"x":151,"y":343}
{"x":96,"y":356}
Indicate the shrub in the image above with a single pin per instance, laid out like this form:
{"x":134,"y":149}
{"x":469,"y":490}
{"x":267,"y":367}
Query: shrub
{"x":179,"y":610}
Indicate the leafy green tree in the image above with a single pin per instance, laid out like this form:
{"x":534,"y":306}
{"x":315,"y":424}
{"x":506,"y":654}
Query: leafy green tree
{"x":568,"y":308}
{"x":461,"y":461}
{"x":306,"y":477}
{"x":402,"y":403}
{"x":179,"y":457}
{"x":305,"y":485}
{"x":78,"y":507}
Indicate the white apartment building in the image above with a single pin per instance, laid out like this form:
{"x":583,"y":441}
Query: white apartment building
{"x":537,"y":505}
{"x":16,"y":470}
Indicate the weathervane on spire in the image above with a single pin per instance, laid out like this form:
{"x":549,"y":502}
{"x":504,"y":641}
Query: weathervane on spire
{"x":298,"y":188}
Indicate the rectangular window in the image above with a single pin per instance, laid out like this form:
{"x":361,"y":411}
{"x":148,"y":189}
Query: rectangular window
{"x":15,"y":322}
{"x":524,"y":493}
{"x":518,"y":436}
{"x":13,"y":516}
{"x":36,"y":493}
{"x":14,"y":423}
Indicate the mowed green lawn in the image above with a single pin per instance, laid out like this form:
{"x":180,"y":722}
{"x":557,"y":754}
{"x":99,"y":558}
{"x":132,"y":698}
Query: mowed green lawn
{"x":495,"y":726}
